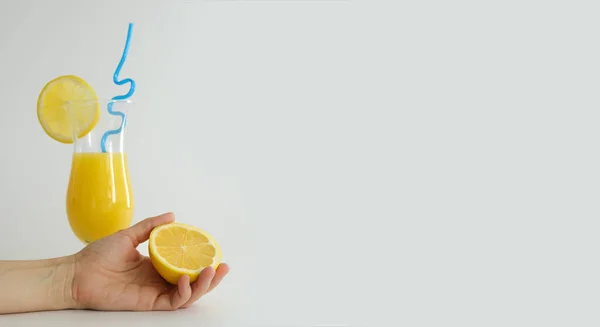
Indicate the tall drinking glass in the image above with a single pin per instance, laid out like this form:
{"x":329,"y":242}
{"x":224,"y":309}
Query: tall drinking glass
{"x":99,"y":196}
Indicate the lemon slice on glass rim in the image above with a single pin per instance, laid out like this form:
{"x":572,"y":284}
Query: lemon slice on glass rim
{"x":178,"y":249}
{"x":56,"y":119}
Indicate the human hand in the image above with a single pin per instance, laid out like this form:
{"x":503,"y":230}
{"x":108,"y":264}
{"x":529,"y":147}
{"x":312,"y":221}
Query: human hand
{"x":110,"y":274}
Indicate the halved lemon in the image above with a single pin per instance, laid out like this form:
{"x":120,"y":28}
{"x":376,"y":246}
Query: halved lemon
{"x":60,"y":122}
{"x":178,"y":249}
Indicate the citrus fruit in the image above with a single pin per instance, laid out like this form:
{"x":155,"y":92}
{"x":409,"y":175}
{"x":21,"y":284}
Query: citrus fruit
{"x":178,"y":249}
{"x":60,"y":122}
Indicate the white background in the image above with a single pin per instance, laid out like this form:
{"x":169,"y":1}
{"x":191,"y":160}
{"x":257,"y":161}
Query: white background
{"x":409,"y":163}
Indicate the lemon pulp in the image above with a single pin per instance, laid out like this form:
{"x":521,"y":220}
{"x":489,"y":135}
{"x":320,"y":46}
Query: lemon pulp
{"x":178,"y":249}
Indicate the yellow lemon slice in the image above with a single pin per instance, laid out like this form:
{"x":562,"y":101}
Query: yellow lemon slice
{"x":177,"y":249}
{"x":60,"y":122}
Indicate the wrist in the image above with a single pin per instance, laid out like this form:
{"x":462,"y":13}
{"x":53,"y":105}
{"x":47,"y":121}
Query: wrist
{"x":61,"y":292}
{"x":37,"y":285}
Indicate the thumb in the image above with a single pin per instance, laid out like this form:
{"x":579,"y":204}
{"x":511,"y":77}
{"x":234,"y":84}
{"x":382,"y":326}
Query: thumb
{"x":140,"y":232}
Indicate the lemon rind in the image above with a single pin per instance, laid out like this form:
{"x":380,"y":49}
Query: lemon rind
{"x":85,"y":131}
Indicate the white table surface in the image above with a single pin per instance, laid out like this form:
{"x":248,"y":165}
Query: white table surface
{"x":198,"y":315}
{"x":211,"y":311}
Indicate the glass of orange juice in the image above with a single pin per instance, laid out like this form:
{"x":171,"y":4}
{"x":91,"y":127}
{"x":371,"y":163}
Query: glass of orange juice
{"x":99,"y":197}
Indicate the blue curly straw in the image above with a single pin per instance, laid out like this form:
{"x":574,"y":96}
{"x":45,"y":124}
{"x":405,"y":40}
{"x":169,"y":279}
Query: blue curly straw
{"x":119,"y":97}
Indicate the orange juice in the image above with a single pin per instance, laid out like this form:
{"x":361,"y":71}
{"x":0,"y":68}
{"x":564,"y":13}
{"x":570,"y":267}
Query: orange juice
{"x":99,"y":198}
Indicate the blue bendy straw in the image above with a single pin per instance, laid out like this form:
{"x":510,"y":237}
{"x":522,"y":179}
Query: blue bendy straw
{"x":119,"y":97}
